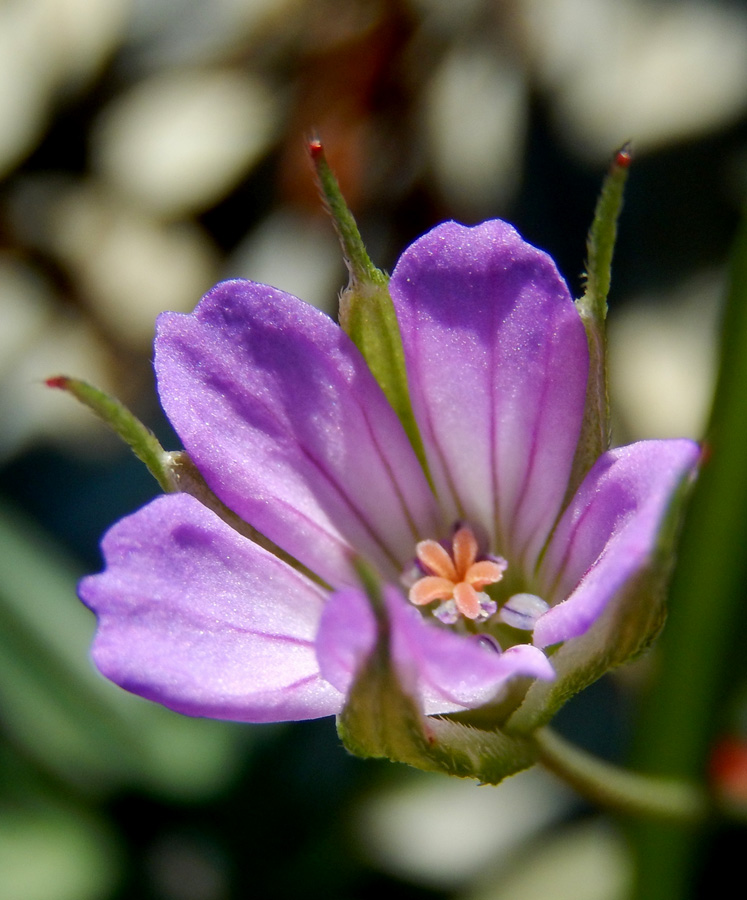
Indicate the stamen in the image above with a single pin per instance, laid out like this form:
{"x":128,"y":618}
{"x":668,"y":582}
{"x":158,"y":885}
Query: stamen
{"x":411,"y":574}
{"x":457,"y":578}
{"x":447,"y":613}
{"x":522,"y":611}
{"x":487,"y":642}
{"x":488,"y":607}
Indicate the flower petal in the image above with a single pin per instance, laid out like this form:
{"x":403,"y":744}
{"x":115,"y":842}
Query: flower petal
{"x":497,"y":363}
{"x":196,"y":617}
{"x":287,"y":425}
{"x":608,"y":532}
{"x":448,"y":671}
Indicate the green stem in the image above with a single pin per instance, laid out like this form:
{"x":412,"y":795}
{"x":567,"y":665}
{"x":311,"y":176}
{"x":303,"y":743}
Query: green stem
{"x":626,"y":792}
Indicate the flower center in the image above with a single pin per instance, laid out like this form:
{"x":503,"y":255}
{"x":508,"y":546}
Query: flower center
{"x":456,"y":578}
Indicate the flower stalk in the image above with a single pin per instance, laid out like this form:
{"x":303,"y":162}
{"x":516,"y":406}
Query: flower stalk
{"x":629,"y":793}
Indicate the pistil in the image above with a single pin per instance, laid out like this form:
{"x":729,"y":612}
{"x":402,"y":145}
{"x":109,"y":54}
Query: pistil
{"x":457,"y":578}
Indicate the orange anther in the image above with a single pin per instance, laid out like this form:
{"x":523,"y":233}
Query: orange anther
{"x":457,"y":577}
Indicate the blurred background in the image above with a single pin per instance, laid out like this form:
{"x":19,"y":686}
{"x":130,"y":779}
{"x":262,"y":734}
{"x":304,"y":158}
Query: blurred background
{"x":149,"y":148}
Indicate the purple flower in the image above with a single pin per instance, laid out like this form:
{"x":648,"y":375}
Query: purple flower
{"x":285,"y":422}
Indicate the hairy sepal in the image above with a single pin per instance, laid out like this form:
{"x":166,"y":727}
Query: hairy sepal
{"x":382,"y":719}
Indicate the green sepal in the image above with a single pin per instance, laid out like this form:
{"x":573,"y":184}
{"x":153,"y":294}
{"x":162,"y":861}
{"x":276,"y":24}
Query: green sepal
{"x":592,"y":307}
{"x":174,"y":471}
{"x":626,"y":628}
{"x":367,"y":313}
{"x":140,"y":439}
{"x":381,"y":719}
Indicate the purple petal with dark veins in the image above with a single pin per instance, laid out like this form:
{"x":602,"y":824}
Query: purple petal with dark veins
{"x":447,"y":671}
{"x":497,"y":362}
{"x":608,"y":532}
{"x":196,"y":617}
{"x":287,"y":425}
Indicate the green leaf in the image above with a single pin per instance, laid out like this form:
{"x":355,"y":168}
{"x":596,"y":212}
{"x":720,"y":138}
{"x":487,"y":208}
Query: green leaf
{"x":600,"y":244}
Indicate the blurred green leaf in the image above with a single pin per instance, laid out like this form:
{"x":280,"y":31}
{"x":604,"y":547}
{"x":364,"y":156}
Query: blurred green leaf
{"x":62,"y":713}
{"x":585,"y":861}
{"x":50,"y":852}
{"x":693,"y":673}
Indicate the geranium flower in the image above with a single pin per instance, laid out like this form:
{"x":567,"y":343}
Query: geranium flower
{"x":485,"y":562}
